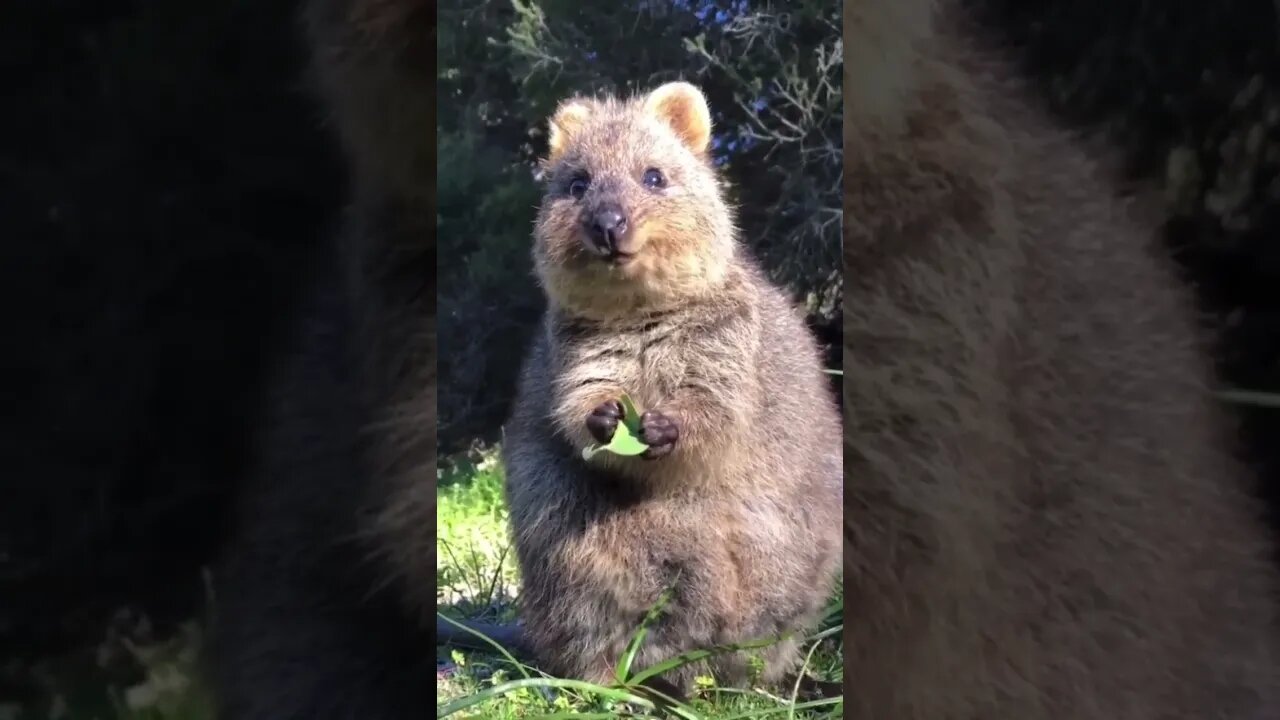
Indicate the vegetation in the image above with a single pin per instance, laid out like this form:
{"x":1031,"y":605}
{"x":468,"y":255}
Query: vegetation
{"x":132,"y":674}
{"x":476,"y":578}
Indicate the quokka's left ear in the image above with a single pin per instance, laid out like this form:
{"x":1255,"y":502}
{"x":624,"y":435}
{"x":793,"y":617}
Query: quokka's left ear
{"x":683,"y":107}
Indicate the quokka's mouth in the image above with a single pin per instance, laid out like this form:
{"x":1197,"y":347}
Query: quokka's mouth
{"x":609,"y":255}
{"x":619,"y":258}
{"x":612,"y":254}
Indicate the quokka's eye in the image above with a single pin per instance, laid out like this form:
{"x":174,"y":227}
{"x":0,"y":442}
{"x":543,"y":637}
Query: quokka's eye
{"x":578,"y":186}
{"x":653,"y":179}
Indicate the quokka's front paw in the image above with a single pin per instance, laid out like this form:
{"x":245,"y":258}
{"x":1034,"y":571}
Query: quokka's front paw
{"x":603,"y":421}
{"x":660,"y":432}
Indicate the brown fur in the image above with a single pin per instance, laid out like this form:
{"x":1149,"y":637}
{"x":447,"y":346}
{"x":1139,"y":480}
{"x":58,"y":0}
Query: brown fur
{"x":744,"y":508}
{"x":324,"y":597}
{"x":1043,"y":519}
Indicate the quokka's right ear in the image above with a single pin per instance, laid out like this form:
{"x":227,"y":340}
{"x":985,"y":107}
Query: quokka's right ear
{"x":565,"y":123}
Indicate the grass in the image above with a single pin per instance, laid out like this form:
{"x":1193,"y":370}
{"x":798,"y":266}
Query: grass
{"x":477,"y":578}
{"x":130,"y":675}
{"x":475,"y":571}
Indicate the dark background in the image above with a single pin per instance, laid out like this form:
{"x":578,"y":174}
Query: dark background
{"x":162,"y":174}
{"x":1189,"y":93}
{"x":165,"y":175}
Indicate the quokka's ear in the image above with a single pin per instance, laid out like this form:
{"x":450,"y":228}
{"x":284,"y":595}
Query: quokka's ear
{"x":683,"y":107}
{"x":564,"y":124}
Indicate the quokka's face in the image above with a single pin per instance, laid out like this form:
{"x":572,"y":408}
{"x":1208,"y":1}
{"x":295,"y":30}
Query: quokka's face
{"x":631,"y":201}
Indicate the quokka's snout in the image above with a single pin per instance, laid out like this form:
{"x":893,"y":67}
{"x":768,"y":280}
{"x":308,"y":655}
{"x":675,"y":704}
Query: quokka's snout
{"x":607,"y":231}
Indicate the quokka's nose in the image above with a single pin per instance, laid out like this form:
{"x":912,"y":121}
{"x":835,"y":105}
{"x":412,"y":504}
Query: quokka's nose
{"x":607,"y":228}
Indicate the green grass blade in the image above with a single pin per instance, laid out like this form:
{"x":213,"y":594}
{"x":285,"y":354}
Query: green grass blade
{"x":503,"y":651}
{"x":1251,"y":397}
{"x":824,"y":634}
{"x":637,"y":639}
{"x":694,"y":656}
{"x":835,"y":608}
{"x":795,"y":690}
{"x":810,"y":705}
{"x":572,"y":715}
{"x":496,"y":691}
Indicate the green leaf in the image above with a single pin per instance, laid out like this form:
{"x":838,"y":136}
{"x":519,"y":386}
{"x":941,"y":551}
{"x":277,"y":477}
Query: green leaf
{"x":625,"y":439}
{"x":630,"y":416}
{"x":623,"y":443}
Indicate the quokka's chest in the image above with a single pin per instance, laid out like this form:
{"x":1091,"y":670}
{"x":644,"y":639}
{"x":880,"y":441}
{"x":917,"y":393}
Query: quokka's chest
{"x":648,"y":364}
